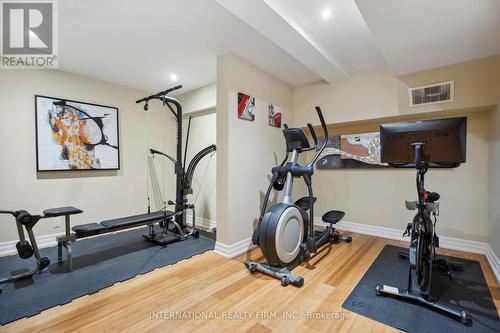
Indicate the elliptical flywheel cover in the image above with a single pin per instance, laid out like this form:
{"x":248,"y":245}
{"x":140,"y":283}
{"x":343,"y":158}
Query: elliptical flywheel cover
{"x":282,"y":228}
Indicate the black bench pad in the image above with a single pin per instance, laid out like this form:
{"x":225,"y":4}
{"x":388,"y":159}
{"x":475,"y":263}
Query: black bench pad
{"x":130,"y":221}
{"x":62,"y":211}
{"x":333,"y":216}
{"x":87,"y":230}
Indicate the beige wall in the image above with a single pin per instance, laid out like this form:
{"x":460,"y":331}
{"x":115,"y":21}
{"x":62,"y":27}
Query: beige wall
{"x":203,"y":133}
{"x":201,"y":104}
{"x":494,"y":178}
{"x":101,"y":194}
{"x":200,"y":99}
{"x":376,"y":93}
{"x":246,"y":150}
{"x":375,"y":197}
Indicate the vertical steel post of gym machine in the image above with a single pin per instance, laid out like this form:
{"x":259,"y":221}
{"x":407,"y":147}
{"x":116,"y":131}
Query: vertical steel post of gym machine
{"x":180,"y":195}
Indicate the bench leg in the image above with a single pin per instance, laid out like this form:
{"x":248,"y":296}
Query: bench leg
{"x":69,"y":255}
{"x":59,"y":252}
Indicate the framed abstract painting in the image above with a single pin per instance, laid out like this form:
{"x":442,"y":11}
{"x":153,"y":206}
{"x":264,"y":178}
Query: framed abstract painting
{"x":246,"y":107}
{"x":72,"y":135}
{"x":353,"y":151}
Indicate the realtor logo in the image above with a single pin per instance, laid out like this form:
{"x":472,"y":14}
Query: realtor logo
{"x":29,"y":34}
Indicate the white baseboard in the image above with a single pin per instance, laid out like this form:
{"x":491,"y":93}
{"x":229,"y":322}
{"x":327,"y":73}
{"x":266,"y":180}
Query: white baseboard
{"x":8,"y":248}
{"x":235,"y":249}
{"x":201,"y":223}
{"x":494,"y":262}
{"x":444,"y":242}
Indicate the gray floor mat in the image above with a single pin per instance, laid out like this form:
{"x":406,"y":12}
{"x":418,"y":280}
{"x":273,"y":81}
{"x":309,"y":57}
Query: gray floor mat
{"x":98,"y":263}
{"x":467,"y":289}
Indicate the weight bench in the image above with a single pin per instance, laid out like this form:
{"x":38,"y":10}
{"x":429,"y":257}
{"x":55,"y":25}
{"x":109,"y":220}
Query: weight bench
{"x":93,"y":229}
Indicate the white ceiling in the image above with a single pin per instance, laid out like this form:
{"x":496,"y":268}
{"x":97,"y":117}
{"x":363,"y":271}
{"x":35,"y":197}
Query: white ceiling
{"x":423,"y":34}
{"x":139,"y":44}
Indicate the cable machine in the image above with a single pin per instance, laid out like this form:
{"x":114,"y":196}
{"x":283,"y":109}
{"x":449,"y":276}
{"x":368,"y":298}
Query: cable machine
{"x":184,"y":175}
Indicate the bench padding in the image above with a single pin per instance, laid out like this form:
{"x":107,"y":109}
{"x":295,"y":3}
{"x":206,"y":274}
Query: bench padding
{"x":91,"y":229}
{"x":133,"y":220}
{"x":62,"y":211}
{"x":87,"y":230}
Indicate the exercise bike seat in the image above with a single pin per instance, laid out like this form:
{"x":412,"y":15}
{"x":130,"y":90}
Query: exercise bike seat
{"x":303,"y":203}
{"x":432,"y":207}
{"x":333,"y":216}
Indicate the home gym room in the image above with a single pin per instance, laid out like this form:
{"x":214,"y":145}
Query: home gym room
{"x":250,"y":166}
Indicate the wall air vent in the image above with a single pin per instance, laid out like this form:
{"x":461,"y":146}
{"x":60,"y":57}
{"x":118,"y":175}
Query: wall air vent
{"x":432,"y":93}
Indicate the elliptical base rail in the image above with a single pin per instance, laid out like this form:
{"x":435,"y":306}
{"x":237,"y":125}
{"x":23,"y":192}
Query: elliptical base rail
{"x":283,"y":274}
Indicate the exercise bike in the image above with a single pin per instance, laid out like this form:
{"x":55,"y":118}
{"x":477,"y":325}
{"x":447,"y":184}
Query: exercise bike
{"x":26,"y":249}
{"x":423,"y":242}
{"x":285,"y":233}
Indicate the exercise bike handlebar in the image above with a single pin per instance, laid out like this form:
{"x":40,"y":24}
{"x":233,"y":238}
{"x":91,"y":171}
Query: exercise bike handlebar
{"x":8,"y":212}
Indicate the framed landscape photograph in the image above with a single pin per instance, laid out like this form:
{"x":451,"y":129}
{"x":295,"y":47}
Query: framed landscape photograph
{"x":72,"y":135}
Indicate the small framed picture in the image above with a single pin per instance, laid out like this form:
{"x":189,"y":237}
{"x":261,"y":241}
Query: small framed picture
{"x":246,"y":107}
{"x":72,"y":135}
{"x":274,"y":114}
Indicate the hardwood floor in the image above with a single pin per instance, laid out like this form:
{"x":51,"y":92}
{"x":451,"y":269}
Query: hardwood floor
{"x":209,"y":285}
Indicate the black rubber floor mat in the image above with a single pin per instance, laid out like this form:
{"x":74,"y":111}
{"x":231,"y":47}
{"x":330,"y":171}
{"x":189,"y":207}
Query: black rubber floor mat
{"x":97,"y":263}
{"x":467,"y":289}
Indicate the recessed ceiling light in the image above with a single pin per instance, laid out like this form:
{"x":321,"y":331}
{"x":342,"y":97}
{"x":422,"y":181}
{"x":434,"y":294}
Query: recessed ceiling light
{"x":173,"y":77}
{"x":326,"y":13}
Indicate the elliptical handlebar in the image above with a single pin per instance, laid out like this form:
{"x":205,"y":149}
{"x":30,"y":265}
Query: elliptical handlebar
{"x":325,"y":139}
{"x":314,"y":137}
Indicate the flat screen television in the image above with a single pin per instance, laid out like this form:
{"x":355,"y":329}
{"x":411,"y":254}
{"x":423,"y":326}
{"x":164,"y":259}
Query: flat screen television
{"x":443,"y":142}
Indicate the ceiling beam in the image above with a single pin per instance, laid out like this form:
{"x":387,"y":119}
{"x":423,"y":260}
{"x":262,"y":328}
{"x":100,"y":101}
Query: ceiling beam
{"x":273,"y":21}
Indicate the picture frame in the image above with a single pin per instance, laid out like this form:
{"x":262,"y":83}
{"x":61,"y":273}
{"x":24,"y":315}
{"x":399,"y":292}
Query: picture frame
{"x":72,"y":135}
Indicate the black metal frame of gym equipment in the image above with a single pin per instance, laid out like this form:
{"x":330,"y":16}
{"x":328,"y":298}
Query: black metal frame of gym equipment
{"x":25,"y":249}
{"x":310,"y":240}
{"x":172,"y":224}
{"x":183,"y":178}
{"x":423,"y":237}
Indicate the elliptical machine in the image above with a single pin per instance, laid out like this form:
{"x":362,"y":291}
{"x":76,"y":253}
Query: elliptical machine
{"x":285,"y":233}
